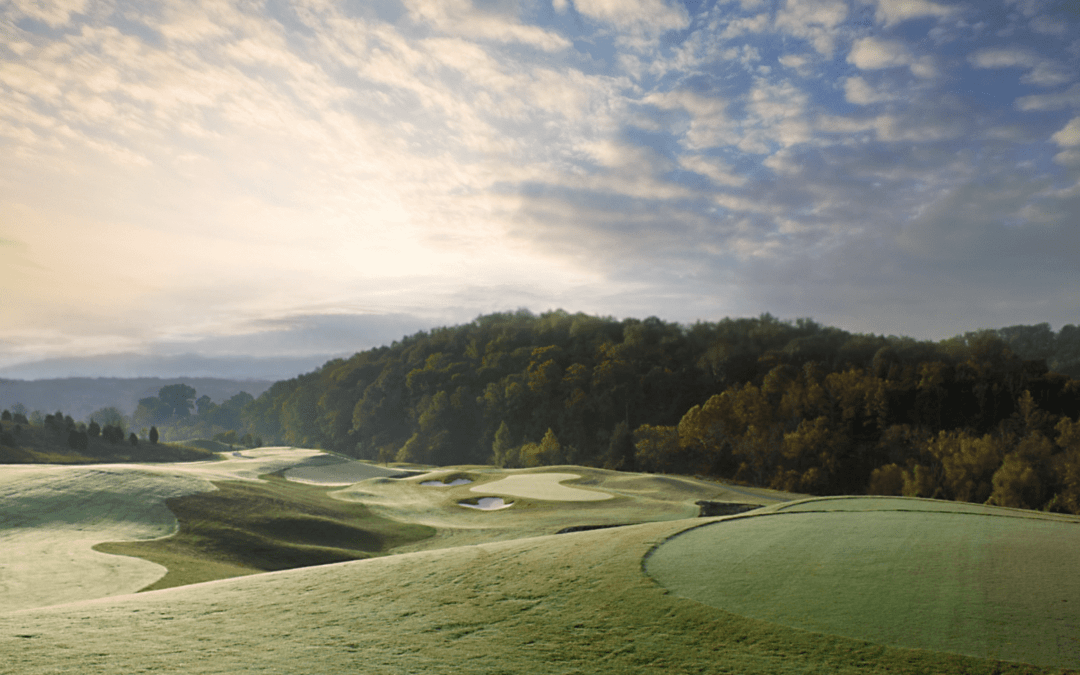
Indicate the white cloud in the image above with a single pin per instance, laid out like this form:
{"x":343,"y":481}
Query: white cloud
{"x":719,"y":172}
{"x":55,"y":13}
{"x":749,"y":24}
{"x":858,"y":91}
{"x":1048,"y":25}
{"x":649,"y":16}
{"x":892,"y":12}
{"x":460,"y":17}
{"x":875,"y":53}
{"x":813,"y":20}
{"x":1070,"y":98}
{"x":803,"y":64}
{"x":709,"y":125}
{"x":1041,"y":71}
{"x":1069,"y":135}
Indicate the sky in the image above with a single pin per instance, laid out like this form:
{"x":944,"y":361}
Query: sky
{"x":215,"y":179}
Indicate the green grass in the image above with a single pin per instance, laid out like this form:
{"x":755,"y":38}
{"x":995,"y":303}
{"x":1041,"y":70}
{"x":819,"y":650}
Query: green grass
{"x":973,"y":580}
{"x":247,"y":527}
{"x":556,"y":605}
{"x":491,"y":596}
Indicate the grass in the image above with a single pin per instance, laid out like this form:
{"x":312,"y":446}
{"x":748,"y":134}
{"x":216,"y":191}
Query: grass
{"x":559,"y":605}
{"x":973,"y":580}
{"x":248,"y":527}
{"x":493,"y":593}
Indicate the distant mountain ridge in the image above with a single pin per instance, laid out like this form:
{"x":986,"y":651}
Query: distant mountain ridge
{"x":130,"y":365}
{"x":81,"y":396}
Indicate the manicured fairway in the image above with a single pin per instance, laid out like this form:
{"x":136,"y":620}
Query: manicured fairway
{"x":995,"y":583}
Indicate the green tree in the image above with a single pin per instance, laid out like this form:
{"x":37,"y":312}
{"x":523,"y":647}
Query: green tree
{"x":502,"y":446}
{"x":93,"y":430}
{"x":77,"y":440}
{"x":620,"y":454}
{"x":153,"y":435}
{"x":178,"y":398}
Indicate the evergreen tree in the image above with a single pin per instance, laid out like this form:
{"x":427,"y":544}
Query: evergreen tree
{"x":153,"y":435}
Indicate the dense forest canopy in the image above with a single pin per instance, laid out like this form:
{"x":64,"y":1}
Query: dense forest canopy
{"x":788,"y":404}
{"x":989,"y":416}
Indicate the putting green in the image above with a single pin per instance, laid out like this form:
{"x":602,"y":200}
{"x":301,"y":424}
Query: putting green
{"x":986,"y":582}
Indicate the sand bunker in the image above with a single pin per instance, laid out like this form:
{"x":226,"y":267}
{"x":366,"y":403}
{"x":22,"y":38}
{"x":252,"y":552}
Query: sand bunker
{"x":439,"y":483}
{"x":543,"y":486}
{"x":487,"y":504}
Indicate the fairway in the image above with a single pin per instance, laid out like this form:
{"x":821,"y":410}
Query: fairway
{"x":981,"y":581}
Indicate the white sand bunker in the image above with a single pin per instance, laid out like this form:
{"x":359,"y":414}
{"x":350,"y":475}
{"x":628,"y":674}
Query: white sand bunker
{"x":543,"y":486}
{"x":487,"y":504}
{"x":439,"y":483}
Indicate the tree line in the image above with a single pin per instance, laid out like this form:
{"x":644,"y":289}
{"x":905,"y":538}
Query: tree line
{"x":792,"y":405}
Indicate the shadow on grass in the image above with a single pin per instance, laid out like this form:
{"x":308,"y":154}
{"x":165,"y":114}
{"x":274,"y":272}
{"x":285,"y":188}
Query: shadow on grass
{"x":248,"y":527}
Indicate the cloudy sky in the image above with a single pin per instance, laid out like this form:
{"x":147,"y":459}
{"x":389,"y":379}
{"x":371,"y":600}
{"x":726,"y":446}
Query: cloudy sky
{"x":283,"y":178}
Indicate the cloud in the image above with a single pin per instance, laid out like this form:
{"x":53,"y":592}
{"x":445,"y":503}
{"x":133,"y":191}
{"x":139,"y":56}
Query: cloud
{"x":647,"y":16}
{"x":1070,"y":98}
{"x":744,"y":25}
{"x":860,"y":92}
{"x":462,"y":18}
{"x":815,"y":21}
{"x":717,"y":171}
{"x":709,"y":125}
{"x":1069,"y":135}
{"x":1041,"y":71}
{"x":55,"y":13}
{"x":892,"y":12}
{"x":875,"y":54}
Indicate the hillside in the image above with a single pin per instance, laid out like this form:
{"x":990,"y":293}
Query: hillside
{"x":790,"y":405}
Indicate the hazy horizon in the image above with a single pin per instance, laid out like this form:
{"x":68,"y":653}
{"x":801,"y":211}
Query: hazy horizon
{"x":283,"y":182}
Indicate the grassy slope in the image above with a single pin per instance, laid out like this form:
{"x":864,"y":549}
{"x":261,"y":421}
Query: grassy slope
{"x":974,"y":580}
{"x":576,"y":603}
{"x":248,"y":527}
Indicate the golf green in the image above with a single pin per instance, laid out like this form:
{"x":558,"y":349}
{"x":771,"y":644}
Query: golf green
{"x":986,"y":583}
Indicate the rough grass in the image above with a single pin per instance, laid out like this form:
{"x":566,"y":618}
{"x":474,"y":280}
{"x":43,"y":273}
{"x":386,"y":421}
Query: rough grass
{"x":249,"y":527}
{"x":973,"y":580}
{"x":566,"y":604}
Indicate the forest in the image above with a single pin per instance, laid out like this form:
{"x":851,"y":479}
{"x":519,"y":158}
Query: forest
{"x":988,"y":416}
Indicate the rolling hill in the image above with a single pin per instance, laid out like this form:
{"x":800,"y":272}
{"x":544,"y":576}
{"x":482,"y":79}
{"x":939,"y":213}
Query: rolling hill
{"x":501,"y":592}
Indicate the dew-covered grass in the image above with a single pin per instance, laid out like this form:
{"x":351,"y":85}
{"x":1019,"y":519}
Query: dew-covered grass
{"x":248,"y":527}
{"x":564,"y":604}
{"x":975,"y":580}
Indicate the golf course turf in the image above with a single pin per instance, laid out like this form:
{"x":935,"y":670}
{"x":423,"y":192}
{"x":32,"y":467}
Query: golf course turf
{"x":488,"y":592}
{"x":982,"y":581}
{"x":246,"y":527}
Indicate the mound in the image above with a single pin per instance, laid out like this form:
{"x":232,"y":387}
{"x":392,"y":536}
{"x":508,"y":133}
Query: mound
{"x":960,"y":578}
{"x":332,"y":470}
